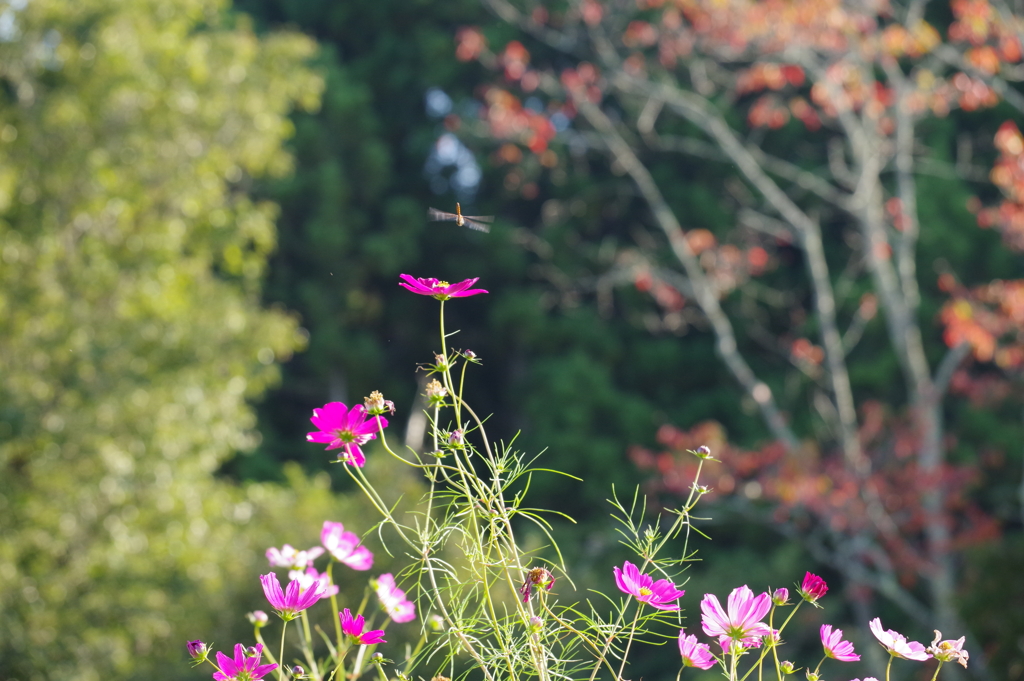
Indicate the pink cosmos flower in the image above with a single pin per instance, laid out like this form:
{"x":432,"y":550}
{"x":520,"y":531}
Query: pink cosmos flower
{"x":743,"y":622}
{"x":393,"y":600}
{"x":658,"y":594}
{"x":242,"y":668}
{"x":290,"y":603}
{"x":441,"y":290}
{"x":353,"y":628}
{"x":835,"y":646}
{"x":306,"y":579}
{"x":341,"y":427}
{"x":813,"y":588}
{"x":897,"y":644}
{"x":948,"y":650}
{"x":695,"y":654}
{"x":345,"y":547}
{"x":296,"y":561}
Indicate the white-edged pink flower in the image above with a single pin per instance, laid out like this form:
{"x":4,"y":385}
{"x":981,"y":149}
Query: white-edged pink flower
{"x":897,"y":644}
{"x":393,"y":599}
{"x":742,"y":622}
{"x":291,"y":558}
{"x":307,"y":578}
{"x":345,"y":546}
{"x":834,"y":645}
{"x":695,"y":654}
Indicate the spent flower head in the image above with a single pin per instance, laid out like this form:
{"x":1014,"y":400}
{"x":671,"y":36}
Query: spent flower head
{"x":441,"y":290}
{"x":813,"y":588}
{"x":376,"y":405}
{"x":742,"y":622}
{"x":896,"y":644}
{"x":695,"y":654}
{"x":347,"y":429}
{"x":660,"y":594}
{"x":243,"y":667}
{"x":539,"y":577}
{"x":834,"y":645}
{"x":948,"y":650}
{"x":345,"y":547}
{"x":436,"y":393}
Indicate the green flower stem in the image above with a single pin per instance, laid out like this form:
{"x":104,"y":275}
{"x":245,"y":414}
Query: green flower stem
{"x":307,"y":646}
{"x":629,"y":641}
{"x":888,"y":667}
{"x":775,"y":651}
{"x":764,"y":652}
{"x":334,"y":603}
{"x":280,"y":666}
{"x":936,"y":675}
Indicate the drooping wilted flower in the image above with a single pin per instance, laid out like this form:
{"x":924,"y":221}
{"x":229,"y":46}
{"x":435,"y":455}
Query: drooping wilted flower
{"x":949,"y":650}
{"x":538,"y":576}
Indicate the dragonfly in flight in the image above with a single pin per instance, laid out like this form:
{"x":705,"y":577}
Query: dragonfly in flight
{"x":471,"y":221}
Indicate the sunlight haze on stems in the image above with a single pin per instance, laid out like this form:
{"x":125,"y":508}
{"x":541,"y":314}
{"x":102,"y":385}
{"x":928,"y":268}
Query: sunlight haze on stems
{"x":835,"y":646}
{"x":341,"y":427}
{"x":242,"y":668}
{"x":659,"y":594}
{"x":441,"y":290}
{"x":292,"y":601}
{"x":695,"y":654}
{"x":896,"y":644}
{"x":345,"y":547}
{"x":742,"y":622}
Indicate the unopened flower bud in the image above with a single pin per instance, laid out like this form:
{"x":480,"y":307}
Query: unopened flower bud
{"x":811,"y":676}
{"x":813,"y":588}
{"x":440,"y":678}
{"x":298,"y":672}
{"x":198,"y":650}
{"x":703,"y":452}
{"x":376,"y":404}
{"x":781,"y":596}
{"x":440,"y":362}
{"x":787,"y":667}
{"x":376,"y":658}
{"x":258,"y":618}
{"x":456,"y":438}
{"x":252,"y":651}
{"x":436,"y":623}
{"x":469,"y":354}
{"x":536,"y":625}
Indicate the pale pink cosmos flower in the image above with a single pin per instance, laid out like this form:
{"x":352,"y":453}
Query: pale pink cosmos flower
{"x":813,"y":588}
{"x":742,"y":622}
{"x":345,"y":546}
{"x":897,"y":644}
{"x":294,"y":560}
{"x":344,"y":428}
{"x":441,"y":290}
{"x":242,"y":668}
{"x":393,"y":599}
{"x":306,"y":579}
{"x":695,"y":654}
{"x":353,"y":628}
{"x":660,"y":594}
{"x":949,"y":650}
{"x":834,"y":645}
{"x":288,"y":604}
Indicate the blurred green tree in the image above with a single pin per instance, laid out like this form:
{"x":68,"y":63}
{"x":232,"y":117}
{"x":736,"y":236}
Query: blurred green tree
{"x":131,"y":328}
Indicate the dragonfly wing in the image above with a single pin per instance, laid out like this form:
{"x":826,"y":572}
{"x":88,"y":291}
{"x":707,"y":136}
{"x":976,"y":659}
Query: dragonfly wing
{"x":473,"y":224}
{"x":436,"y":214}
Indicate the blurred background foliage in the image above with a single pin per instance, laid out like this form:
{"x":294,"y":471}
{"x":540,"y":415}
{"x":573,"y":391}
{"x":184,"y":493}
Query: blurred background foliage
{"x":192,"y":191}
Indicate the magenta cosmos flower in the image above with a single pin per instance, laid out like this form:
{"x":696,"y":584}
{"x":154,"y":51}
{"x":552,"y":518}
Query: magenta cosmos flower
{"x":659,"y":594}
{"x":345,"y":547}
{"x":353,"y":628}
{"x":897,"y":644}
{"x":294,"y":600}
{"x":344,"y":428}
{"x":695,"y":654}
{"x":742,"y":622}
{"x":441,"y":290}
{"x":813,"y":588}
{"x":835,"y":646}
{"x":242,"y":668}
{"x":393,"y":599}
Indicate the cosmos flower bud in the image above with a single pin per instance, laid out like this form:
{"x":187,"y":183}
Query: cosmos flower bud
{"x":703,"y":452}
{"x":536,"y":625}
{"x":456,"y":438}
{"x":258,"y":618}
{"x":436,"y":623}
{"x":469,"y":354}
{"x":787,"y":667}
{"x":298,"y":672}
{"x":811,"y":676}
{"x":781,"y":596}
{"x":198,"y":650}
{"x":252,"y":651}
